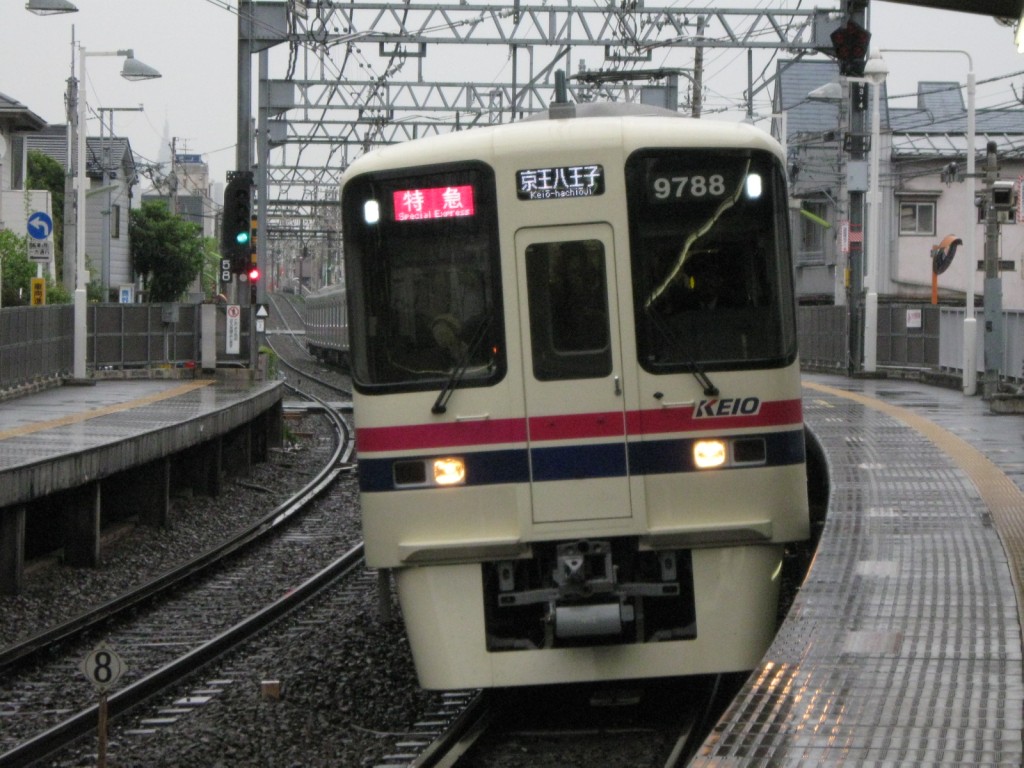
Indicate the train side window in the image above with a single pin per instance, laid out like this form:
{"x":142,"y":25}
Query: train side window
{"x":568,"y":305}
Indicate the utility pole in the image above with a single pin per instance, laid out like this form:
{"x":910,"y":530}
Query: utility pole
{"x":172,"y":191}
{"x":108,"y":148}
{"x":698,"y":71}
{"x":70,"y":200}
{"x":999,"y":196}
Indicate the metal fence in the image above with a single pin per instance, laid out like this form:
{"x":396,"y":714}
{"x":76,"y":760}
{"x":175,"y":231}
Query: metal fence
{"x":824,"y":334}
{"x":37,"y":342}
{"x":910,"y":337}
{"x":142,"y":335}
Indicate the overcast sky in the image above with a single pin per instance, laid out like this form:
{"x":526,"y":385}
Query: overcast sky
{"x":192,"y":43}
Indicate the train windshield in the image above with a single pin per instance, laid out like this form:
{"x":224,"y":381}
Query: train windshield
{"x":710,"y":257}
{"x":423,"y":270}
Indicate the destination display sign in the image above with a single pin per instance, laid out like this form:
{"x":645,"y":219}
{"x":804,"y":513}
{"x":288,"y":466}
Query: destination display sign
{"x":433,"y":203}
{"x":560,"y":182}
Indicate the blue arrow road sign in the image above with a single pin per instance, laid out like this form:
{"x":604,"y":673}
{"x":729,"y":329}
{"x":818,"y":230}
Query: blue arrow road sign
{"x":40,"y":225}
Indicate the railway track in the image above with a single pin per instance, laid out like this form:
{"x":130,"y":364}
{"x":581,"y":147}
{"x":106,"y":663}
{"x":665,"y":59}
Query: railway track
{"x":651,"y":724}
{"x":286,"y":324}
{"x":170,"y":626}
{"x":302,"y":369}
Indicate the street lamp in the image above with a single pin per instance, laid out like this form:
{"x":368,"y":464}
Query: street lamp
{"x":970,"y":370}
{"x":875,"y":71}
{"x":133,"y":69}
{"x":50,"y":7}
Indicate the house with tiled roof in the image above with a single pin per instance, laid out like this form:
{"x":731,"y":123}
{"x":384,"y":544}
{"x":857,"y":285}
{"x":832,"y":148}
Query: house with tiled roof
{"x":921,"y":202}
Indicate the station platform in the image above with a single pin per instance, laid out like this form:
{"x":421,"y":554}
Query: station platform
{"x":73,"y":438}
{"x":903,"y":647}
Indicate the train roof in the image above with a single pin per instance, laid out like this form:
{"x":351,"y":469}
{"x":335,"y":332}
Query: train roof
{"x":629,"y":126}
{"x":327,"y":291}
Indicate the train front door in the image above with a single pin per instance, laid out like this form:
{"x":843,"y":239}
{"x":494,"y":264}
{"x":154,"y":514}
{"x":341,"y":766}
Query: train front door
{"x":576,"y":424}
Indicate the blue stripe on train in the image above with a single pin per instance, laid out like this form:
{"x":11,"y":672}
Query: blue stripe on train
{"x":652,"y":457}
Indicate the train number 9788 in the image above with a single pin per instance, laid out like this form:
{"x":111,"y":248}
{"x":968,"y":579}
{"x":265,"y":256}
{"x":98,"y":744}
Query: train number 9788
{"x":682,"y":187}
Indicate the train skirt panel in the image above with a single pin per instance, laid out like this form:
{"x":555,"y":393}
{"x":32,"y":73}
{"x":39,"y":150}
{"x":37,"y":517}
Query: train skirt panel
{"x":734,"y":594}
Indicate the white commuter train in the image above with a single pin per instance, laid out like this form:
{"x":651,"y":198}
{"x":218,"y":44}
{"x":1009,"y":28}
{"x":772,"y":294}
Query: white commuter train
{"x":327,"y":325}
{"x":577,"y":394}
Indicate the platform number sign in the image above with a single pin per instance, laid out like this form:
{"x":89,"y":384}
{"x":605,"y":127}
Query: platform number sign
{"x":102,"y":667}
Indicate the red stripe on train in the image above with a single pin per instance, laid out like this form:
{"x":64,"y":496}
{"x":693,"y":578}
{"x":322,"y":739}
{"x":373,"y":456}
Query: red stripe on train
{"x":421,"y":436}
{"x":570,"y":427}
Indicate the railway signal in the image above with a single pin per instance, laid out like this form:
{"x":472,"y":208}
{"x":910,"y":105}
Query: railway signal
{"x":851,"y":43}
{"x":254,"y":279}
{"x":236,"y":226}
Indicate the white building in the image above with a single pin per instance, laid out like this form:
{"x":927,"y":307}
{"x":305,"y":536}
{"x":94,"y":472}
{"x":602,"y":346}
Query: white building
{"x":919,"y":205}
{"x":111,"y":173}
{"x":16,"y":203}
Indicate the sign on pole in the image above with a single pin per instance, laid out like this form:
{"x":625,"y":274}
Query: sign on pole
{"x":262,"y":313}
{"x":39,"y":251}
{"x":40,"y":225}
{"x":38,"y":291}
{"x":102,"y":667}
{"x":232,"y":344}
{"x":40,"y":243}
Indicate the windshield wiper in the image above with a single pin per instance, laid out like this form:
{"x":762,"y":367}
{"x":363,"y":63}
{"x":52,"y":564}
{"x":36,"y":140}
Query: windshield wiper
{"x":710,"y":390}
{"x":441,"y":404}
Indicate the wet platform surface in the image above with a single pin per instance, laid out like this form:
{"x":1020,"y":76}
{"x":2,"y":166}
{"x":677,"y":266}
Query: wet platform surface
{"x":62,"y":437}
{"x":903,"y":648}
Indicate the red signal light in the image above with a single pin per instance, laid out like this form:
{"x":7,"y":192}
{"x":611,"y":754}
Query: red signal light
{"x":851,"y":43}
{"x":254,"y":274}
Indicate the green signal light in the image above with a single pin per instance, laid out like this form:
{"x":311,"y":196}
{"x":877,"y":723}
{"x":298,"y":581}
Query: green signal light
{"x":242,"y":238}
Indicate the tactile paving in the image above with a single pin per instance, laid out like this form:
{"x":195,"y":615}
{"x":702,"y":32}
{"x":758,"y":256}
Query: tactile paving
{"x":904,"y":645}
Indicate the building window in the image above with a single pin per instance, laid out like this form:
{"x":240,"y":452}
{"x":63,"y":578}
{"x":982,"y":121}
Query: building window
{"x":812,"y":233}
{"x":115,"y":221}
{"x":917,"y":218}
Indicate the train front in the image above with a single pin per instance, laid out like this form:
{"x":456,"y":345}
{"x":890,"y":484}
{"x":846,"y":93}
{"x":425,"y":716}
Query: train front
{"x":577,"y":397}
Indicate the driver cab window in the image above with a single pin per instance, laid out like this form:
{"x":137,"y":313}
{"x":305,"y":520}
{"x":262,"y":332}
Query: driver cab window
{"x":568,"y":304}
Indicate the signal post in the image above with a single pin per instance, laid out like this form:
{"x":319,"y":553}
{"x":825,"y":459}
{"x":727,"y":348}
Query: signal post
{"x":239,"y":268}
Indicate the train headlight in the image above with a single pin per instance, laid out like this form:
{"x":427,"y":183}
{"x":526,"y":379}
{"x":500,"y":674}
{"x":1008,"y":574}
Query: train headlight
{"x":754,"y":186}
{"x":371,"y":211}
{"x":709,"y":453}
{"x":449,"y":471}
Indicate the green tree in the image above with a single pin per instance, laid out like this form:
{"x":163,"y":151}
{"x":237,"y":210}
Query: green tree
{"x":46,"y":173}
{"x":16,"y":273}
{"x":167,"y":251}
{"x":16,"y":270}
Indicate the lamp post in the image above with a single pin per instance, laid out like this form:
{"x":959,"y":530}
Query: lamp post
{"x":970,"y":369}
{"x":50,"y":7}
{"x":133,"y":69}
{"x":875,"y":71}
{"x":107,"y":188}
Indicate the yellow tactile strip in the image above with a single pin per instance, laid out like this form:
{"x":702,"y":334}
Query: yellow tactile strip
{"x":76,"y":418}
{"x":1000,"y":494}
